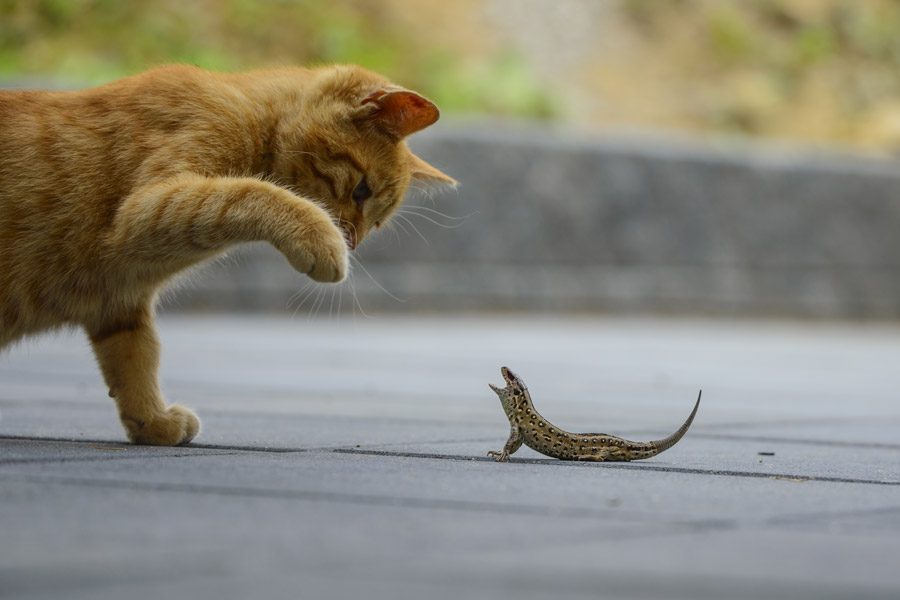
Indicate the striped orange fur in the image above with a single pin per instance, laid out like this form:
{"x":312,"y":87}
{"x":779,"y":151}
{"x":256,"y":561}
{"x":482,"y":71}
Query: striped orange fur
{"x":107,"y":193}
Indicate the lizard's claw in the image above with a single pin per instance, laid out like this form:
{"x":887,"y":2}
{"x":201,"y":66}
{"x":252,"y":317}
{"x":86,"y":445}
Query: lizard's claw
{"x":501,"y":456}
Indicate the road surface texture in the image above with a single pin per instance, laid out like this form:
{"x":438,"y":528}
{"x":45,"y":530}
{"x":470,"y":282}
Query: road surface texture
{"x":345,"y":458}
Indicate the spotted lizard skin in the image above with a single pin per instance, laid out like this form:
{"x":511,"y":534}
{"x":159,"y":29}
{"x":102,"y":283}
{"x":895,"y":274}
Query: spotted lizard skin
{"x":528,"y":427}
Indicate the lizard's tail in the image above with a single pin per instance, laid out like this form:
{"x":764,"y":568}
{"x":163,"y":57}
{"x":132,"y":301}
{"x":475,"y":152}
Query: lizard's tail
{"x":666,"y":443}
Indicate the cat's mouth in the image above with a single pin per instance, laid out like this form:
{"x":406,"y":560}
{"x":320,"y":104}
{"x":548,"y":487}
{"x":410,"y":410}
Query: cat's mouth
{"x":350,"y":235}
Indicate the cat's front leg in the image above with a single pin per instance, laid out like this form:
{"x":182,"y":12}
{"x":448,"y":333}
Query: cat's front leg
{"x":189,"y":217}
{"x":128,"y":353}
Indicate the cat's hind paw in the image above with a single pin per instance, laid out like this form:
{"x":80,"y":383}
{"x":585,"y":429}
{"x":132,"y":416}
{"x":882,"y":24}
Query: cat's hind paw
{"x":176,"y":426}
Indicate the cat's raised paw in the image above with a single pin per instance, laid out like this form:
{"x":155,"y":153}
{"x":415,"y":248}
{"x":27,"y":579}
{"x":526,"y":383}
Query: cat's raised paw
{"x":330,"y":270}
{"x":176,"y":426}
{"x":330,"y":258}
{"x":323,"y":257}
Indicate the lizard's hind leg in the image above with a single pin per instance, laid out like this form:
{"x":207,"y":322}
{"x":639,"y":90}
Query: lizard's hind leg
{"x":601,"y":455}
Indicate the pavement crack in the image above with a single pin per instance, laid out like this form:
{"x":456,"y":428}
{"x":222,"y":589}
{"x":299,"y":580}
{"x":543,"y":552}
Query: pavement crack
{"x":550,"y":462}
{"x":192,"y":446}
{"x":101,"y":458}
{"x":782,"y":440}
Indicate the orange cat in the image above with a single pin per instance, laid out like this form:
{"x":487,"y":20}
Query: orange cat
{"x":107,"y":193}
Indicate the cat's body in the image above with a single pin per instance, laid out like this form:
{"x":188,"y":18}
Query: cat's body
{"x":107,"y":193}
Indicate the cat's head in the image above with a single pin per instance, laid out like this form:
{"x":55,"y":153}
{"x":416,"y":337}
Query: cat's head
{"x":346,"y":150}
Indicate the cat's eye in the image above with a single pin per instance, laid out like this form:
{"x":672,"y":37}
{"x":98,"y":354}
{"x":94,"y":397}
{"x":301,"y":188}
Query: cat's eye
{"x":361,"y":192}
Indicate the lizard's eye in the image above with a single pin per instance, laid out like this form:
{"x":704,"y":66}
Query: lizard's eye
{"x":361,"y":192}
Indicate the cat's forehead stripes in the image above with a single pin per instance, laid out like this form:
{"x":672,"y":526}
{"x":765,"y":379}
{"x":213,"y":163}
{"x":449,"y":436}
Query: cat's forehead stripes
{"x":347,"y":158}
{"x":339,"y":171}
{"x":320,"y":174}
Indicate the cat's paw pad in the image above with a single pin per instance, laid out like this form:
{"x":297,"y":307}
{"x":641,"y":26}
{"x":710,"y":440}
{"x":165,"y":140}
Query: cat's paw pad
{"x":177,"y":425}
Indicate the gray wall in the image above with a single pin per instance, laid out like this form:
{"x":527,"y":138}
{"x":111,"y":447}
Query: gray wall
{"x":639,"y":225}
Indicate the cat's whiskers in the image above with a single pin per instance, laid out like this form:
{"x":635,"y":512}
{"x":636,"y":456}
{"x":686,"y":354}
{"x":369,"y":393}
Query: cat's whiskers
{"x":340,"y":300}
{"x":411,"y":224}
{"x":392,"y":226}
{"x":356,"y":302}
{"x":406,"y":217}
{"x":334,"y":290}
{"x":408,"y":211}
{"x":315,"y":294}
{"x":297,"y":295}
{"x":319,"y":294}
{"x":427,"y":192}
{"x":375,"y":281}
{"x":320,"y":299}
{"x":302,"y":296}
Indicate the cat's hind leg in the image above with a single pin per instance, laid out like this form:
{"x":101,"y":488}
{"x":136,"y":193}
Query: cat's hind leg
{"x":128,"y":353}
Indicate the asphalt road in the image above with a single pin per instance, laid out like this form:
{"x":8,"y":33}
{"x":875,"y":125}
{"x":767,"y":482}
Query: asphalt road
{"x":345,"y":458}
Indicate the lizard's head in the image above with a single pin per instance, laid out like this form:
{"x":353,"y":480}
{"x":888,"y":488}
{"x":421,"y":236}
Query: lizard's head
{"x":515,"y":388}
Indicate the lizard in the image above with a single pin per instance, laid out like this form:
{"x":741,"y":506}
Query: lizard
{"x":529,"y":427}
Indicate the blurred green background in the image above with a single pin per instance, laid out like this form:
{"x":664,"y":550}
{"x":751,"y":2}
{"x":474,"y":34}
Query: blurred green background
{"x":92,"y":41}
{"x":813,"y":71}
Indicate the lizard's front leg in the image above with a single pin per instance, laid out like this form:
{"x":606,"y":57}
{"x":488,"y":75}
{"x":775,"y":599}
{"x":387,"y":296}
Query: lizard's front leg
{"x":173,"y":223}
{"x":512,"y":444}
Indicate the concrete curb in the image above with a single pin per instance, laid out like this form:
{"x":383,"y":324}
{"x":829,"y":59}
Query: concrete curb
{"x":556,"y":221}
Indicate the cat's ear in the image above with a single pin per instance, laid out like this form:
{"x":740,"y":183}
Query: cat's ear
{"x":400,"y":112}
{"x":422,"y":171}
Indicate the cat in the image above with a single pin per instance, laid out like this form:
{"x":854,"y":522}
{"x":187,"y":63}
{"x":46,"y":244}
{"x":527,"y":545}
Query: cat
{"x":107,"y":193}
